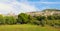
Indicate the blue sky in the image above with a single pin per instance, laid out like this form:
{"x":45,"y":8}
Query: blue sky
{"x":18,"y":6}
{"x":43,"y":4}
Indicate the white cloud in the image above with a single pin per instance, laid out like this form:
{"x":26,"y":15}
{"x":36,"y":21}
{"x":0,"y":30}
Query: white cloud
{"x":50,"y":2}
{"x":46,"y":2}
{"x":7,"y":6}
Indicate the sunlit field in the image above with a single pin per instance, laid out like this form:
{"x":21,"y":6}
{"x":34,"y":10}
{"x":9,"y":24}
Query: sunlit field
{"x":26,"y":27}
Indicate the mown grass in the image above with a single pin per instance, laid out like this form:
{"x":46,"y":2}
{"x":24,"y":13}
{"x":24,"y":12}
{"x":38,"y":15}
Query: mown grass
{"x":26,"y":27}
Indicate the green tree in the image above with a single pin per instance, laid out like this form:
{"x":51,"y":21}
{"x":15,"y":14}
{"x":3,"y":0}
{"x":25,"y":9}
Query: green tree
{"x":41,"y":19}
{"x":23,"y":18}
{"x":2,"y":21}
{"x":33,"y":20}
{"x":10,"y":20}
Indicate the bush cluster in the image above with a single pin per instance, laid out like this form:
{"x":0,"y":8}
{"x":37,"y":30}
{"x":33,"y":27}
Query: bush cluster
{"x":52,"y":20}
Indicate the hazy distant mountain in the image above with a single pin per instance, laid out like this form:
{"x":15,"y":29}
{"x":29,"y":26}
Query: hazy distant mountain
{"x":51,"y":10}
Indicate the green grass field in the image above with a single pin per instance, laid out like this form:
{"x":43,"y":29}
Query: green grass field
{"x":26,"y":27}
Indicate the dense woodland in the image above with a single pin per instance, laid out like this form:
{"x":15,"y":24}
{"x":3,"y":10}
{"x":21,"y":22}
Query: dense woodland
{"x":52,"y":20}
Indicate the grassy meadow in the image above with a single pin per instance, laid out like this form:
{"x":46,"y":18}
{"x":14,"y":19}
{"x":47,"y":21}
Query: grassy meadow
{"x":26,"y":27}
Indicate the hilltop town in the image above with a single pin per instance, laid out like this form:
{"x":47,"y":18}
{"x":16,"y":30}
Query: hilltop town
{"x":45,"y":12}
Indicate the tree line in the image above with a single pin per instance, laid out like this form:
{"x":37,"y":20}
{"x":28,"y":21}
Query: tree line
{"x":52,"y":20}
